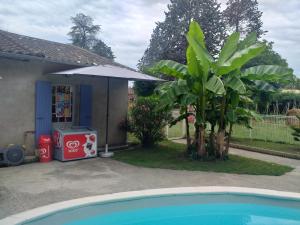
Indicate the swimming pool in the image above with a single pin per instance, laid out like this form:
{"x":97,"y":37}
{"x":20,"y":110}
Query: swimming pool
{"x":232,"y":206}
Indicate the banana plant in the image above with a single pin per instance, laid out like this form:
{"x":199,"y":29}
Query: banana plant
{"x":217,"y":84}
{"x":229,"y":66}
{"x":198,"y":77}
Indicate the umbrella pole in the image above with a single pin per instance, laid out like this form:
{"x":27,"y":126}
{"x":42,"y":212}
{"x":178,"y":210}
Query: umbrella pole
{"x":107,"y":154}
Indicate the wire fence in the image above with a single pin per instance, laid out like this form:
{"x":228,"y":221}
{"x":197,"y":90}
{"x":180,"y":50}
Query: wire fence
{"x":273,"y":128}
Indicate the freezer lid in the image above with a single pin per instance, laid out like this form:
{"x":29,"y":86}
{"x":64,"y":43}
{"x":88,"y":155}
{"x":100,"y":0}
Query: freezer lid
{"x":75,"y":130}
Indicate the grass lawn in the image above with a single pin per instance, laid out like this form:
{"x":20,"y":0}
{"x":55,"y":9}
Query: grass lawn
{"x":280,"y":147}
{"x":169,"y":155}
{"x":264,"y":131}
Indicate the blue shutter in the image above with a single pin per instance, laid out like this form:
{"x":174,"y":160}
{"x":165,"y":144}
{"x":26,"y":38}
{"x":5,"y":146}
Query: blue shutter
{"x":85,"y":114}
{"x":43,"y":106}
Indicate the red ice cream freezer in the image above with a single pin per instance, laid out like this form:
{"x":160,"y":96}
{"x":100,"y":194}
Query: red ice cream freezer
{"x":75,"y":143}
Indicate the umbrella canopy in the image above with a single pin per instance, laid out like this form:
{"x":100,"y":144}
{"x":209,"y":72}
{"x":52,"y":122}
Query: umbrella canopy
{"x":109,"y":71}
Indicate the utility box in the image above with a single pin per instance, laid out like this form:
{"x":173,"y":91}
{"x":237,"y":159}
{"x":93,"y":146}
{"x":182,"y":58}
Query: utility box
{"x":75,"y":143}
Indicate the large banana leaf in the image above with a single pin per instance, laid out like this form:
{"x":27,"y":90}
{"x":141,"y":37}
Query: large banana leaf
{"x":196,"y":32}
{"x":248,"y":41}
{"x":180,"y":87}
{"x":268,"y":73}
{"x":188,"y":99}
{"x":246,"y":99}
{"x":167,"y":95}
{"x":194,"y":68}
{"x":195,"y":38}
{"x":247,"y":113}
{"x":171,"y":68}
{"x":215,"y":85}
{"x":263,"y":86}
{"x":229,"y":48}
{"x":235,"y":84}
{"x":175,"y":92}
{"x":231,"y":115}
{"x":239,"y":58}
{"x":234,"y":99}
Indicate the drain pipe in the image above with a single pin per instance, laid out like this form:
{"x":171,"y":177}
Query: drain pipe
{"x":107,"y":154}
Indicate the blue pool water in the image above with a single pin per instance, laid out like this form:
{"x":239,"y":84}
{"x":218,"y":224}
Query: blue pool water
{"x":211,"y":209}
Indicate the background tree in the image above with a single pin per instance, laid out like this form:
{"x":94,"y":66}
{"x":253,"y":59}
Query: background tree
{"x":168,"y":38}
{"x":102,"y":49}
{"x":243,"y":16}
{"x":84,"y":34}
{"x":144,"y":88}
{"x":295,"y":84}
{"x":268,"y":57}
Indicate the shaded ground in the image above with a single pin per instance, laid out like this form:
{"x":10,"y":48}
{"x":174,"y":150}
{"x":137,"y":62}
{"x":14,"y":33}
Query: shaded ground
{"x":33,"y":185}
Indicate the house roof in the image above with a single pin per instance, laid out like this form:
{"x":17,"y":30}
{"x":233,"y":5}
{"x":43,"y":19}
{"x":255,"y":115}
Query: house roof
{"x":20,"y":45}
{"x":91,"y":63}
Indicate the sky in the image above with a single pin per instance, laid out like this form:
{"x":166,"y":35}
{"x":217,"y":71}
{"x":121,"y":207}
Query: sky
{"x":126,"y":26}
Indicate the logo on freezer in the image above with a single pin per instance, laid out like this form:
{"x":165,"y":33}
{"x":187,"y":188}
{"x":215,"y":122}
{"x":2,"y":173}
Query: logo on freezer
{"x":72,"y":144}
{"x":90,"y":147}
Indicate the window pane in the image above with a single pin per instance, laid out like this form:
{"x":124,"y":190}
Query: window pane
{"x":62,"y":103}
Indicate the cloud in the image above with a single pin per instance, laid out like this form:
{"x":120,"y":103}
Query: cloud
{"x":281,"y":20}
{"x":127,"y":25}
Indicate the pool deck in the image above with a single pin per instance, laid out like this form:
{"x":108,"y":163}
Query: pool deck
{"x":33,"y":185}
{"x":39,"y":212}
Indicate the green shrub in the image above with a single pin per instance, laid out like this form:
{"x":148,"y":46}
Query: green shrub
{"x":147,"y":121}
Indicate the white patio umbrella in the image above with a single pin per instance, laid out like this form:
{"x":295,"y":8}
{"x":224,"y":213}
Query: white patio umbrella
{"x":108,"y":71}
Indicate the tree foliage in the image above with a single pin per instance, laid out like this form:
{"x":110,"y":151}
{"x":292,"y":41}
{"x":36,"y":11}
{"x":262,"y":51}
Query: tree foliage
{"x":84,"y":34}
{"x":218,"y":89}
{"x":243,"y":16}
{"x":102,"y":49}
{"x":144,"y":88}
{"x":168,"y":40}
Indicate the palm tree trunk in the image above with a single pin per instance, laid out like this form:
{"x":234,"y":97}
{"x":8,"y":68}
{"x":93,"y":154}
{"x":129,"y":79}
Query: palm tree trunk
{"x":228,"y":140}
{"x":201,"y":143}
{"x":187,"y":127}
{"x":221,"y":132}
{"x":220,"y":143}
{"x":201,"y":138}
{"x":212,"y":141}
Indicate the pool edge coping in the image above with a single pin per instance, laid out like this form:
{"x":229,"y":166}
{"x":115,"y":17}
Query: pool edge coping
{"x":22,"y":217}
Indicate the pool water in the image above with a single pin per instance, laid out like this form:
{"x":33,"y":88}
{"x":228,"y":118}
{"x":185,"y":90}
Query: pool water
{"x":208,"y":209}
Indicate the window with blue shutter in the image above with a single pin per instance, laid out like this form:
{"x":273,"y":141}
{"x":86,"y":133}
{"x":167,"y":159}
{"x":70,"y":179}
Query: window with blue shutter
{"x":43,"y":104}
{"x":85,"y":114}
